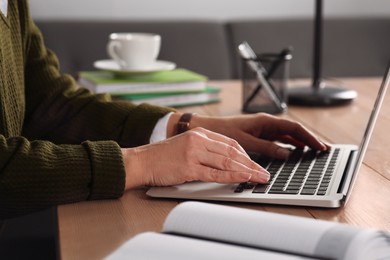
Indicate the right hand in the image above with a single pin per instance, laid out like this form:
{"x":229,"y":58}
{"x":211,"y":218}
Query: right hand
{"x":196,"y":155}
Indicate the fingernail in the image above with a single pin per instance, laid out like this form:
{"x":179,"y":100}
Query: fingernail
{"x":246,"y":176}
{"x":265,"y":176}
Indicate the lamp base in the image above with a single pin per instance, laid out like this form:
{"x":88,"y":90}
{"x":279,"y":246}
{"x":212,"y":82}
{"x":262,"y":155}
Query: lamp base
{"x":323,"y":96}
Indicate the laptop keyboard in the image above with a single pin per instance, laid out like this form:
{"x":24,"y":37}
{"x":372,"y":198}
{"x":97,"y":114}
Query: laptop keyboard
{"x":304,"y":172}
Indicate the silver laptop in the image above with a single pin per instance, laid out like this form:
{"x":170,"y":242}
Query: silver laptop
{"x":306,"y":178}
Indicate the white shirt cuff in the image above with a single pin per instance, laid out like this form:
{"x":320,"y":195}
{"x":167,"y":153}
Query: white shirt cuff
{"x":160,"y":129}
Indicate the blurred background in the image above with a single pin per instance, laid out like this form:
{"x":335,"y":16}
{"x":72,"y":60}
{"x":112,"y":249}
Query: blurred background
{"x":202,"y":9}
{"x":203,"y":35}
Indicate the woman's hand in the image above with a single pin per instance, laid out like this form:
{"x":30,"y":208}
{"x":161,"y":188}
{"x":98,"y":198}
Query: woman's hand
{"x":198,"y":154}
{"x":258,"y":133}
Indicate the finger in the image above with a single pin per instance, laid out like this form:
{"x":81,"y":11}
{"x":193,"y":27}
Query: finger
{"x":209,"y":174}
{"x":299,"y":133}
{"x":289,"y":140}
{"x":268,"y":148}
{"x":278,"y":128}
{"x":222,"y":138}
{"x":223,"y":163}
{"x":228,"y":151}
{"x":227,"y":157}
{"x":230,"y":154}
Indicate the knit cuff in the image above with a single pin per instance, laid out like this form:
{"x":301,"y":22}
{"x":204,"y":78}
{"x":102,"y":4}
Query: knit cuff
{"x":140,"y":124}
{"x":107,"y":170}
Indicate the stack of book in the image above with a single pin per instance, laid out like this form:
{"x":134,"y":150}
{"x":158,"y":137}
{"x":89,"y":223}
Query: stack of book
{"x":175,"y":88}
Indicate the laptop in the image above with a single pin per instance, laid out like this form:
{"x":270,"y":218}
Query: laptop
{"x":306,"y":178}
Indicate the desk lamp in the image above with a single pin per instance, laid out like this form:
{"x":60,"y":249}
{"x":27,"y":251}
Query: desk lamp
{"x":319,"y":94}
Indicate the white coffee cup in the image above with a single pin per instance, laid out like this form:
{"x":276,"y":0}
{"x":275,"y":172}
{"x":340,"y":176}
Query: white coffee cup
{"x":134,"y":50}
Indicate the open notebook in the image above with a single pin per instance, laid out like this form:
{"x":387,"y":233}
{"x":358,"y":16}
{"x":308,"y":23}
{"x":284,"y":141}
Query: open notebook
{"x":307,"y":178}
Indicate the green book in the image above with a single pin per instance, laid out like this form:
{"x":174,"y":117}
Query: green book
{"x":178,"y":99}
{"x":176,"y":80}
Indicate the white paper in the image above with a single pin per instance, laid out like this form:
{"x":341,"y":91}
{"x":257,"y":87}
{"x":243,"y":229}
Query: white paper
{"x":266,"y":230}
{"x":153,"y":246}
{"x":196,"y":230}
{"x":247,"y":227}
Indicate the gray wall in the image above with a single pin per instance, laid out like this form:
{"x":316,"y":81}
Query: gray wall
{"x":202,"y":9}
{"x":356,"y":32}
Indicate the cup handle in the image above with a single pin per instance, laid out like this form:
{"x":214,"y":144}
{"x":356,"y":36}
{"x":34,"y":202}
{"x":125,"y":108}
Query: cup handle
{"x":112,"y":51}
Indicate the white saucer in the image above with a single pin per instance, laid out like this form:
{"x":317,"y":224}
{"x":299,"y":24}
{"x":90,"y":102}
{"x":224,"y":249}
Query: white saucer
{"x":113,"y":66}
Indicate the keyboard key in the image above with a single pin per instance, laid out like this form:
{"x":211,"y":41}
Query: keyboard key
{"x":244,"y":186}
{"x":310,"y":186}
{"x":308,"y":191}
{"x":324,"y":185}
{"x":261,"y":188}
{"x":283,"y":192}
{"x":240,"y":187}
{"x":312,"y":182}
{"x":249,"y":186}
{"x":298,"y":183}
{"x":321,"y":192}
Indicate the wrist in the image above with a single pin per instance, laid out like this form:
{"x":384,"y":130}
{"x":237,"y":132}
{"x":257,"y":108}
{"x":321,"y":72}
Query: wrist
{"x":133,"y":168}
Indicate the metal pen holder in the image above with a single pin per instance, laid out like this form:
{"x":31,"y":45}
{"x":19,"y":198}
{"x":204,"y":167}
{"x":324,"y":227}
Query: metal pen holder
{"x":256,"y":98}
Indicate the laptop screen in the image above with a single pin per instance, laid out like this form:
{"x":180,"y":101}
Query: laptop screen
{"x":370,"y":127}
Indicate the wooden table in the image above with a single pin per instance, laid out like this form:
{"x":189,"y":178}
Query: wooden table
{"x":93,"y":229}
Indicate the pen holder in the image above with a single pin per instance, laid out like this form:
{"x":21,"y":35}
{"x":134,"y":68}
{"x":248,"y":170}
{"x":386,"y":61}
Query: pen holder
{"x":256,"y":98}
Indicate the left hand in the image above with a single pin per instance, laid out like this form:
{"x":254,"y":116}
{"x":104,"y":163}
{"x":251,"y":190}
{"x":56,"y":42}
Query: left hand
{"x":259,"y":132}
{"x":196,"y":155}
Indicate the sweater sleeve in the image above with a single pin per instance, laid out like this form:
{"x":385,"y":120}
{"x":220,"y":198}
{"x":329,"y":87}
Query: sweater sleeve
{"x":69,"y":147}
{"x":39,"y":174}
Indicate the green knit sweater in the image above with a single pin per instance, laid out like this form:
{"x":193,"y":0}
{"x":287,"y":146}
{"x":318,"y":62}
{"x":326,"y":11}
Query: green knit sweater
{"x":58,"y":143}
